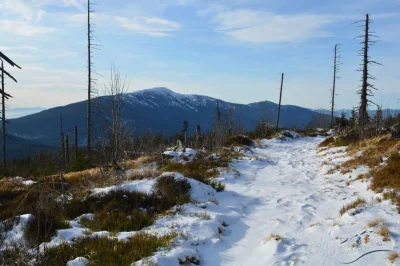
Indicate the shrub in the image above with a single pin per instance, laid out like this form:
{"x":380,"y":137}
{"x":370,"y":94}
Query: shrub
{"x":174,"y":191}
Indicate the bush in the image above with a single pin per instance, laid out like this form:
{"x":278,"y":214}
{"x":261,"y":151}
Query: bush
{"x":174,"y":191}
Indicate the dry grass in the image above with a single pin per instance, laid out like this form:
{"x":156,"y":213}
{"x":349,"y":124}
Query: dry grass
{"x":385,"y":233}
{"x":375,"y":222}
{"x":276,"y":237}
{"x":202,"y":215}
{"x":357,"y":203}
{"x":139,"y":174}
{"x":393,"y":256}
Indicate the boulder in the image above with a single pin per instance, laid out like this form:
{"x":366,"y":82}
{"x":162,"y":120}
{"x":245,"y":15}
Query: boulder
{"x":395,"y":130}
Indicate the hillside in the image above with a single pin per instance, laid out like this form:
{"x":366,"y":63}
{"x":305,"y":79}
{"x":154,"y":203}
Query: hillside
{"x":158,"y":109}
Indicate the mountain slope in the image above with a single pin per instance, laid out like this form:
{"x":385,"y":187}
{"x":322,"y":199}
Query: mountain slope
{"x":158,"y":109}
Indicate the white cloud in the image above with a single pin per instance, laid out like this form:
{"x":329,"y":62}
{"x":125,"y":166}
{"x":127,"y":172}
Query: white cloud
{"x":23,"y":28}
{"x":252,"y":26}
{"x":151,"y":26}
{"x":19,"y":47}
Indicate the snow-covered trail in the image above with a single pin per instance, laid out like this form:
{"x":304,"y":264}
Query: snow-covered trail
{"x":287,"y":194}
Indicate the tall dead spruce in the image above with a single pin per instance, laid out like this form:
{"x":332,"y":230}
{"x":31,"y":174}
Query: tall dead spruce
{"x":336,"y":68}
{"x":5,"y":96}
{"x":368,"y":39}
{"x":91,"y":80}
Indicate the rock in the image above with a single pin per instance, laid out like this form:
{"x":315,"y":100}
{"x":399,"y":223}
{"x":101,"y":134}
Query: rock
{"x":395,"y":130}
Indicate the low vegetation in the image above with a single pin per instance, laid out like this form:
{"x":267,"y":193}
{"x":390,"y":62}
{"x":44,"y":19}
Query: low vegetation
{"x":357,"y":203}
{"x":385,"y":233}
{"x":393,"y":256}
{"x":106,"y":251}
{"x":375,"y":222}
{"x":276,"y":237}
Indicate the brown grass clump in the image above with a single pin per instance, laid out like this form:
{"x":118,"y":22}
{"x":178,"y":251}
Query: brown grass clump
{"x":385,"y":233}
{"x":375,"y":222}
{"x":393,"y":256}
{"x":357,"y":203}
{"x":274,"y":236}
{"x":140,"y":174}
{"x":388,"y":176}
{"x":327,"y":142}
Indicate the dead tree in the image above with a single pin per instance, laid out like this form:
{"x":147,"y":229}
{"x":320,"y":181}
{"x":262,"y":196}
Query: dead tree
{"x":76,"y":141}
{"x":91,"y":90}
{"x":279,"y":107}
{"x":366,"y":86}
{"x":336,"y":65}
{"x":66,"y":150}
{"x":4,"y":97}
{"x":114,"y":134}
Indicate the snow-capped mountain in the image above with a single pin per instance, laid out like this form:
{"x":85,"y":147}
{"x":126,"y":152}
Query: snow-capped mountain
{"x":158,"y":109}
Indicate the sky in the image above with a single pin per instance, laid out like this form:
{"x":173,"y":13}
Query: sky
{"x":234,"y":50}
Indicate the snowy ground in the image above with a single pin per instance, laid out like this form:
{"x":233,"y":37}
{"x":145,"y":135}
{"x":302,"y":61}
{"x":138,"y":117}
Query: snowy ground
{"x":283,"y":189}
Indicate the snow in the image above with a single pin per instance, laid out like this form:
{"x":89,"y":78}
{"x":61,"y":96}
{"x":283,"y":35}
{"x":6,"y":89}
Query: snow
{"x":16,"y":234}
{"x":282,"y":189}
{"x":145,"y":186}
{"x":80,"y":261}
{"x":279,"y":188}
{"x":181,"y":155}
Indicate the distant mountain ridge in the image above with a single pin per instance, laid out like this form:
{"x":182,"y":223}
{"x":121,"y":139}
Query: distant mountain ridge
{"x":158,"y":109}
{"x":347,"y":112}
{"x":12,"y":113}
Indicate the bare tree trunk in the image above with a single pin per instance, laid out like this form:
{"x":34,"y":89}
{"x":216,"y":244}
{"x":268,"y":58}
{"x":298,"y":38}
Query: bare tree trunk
{"x":76,"y":141}
{"x":89,"y":110}
{"x":364,"y":86}
{"x":280,"y":101}
{"x":3,"y":105}
{"x":66,"y":150}
{"x":334,"y":86}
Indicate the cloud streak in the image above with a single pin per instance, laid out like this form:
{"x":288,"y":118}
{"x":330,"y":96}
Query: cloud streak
{"x":260,"y":27}
{"x":151,"y":26}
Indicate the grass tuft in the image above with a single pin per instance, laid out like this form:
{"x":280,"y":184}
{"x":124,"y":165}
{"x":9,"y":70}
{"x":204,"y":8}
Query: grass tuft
{"x":375,"y":222}
{"x":385,"y":233}
{"x":357,"y":203}
{"x":393,"y":256}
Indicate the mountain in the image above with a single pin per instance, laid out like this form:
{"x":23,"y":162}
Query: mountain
{"x":20,"y":112}
{"x":158,"y":109}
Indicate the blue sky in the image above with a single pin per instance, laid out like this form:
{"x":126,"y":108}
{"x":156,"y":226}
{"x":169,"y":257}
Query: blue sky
{"x":229,"y":49}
